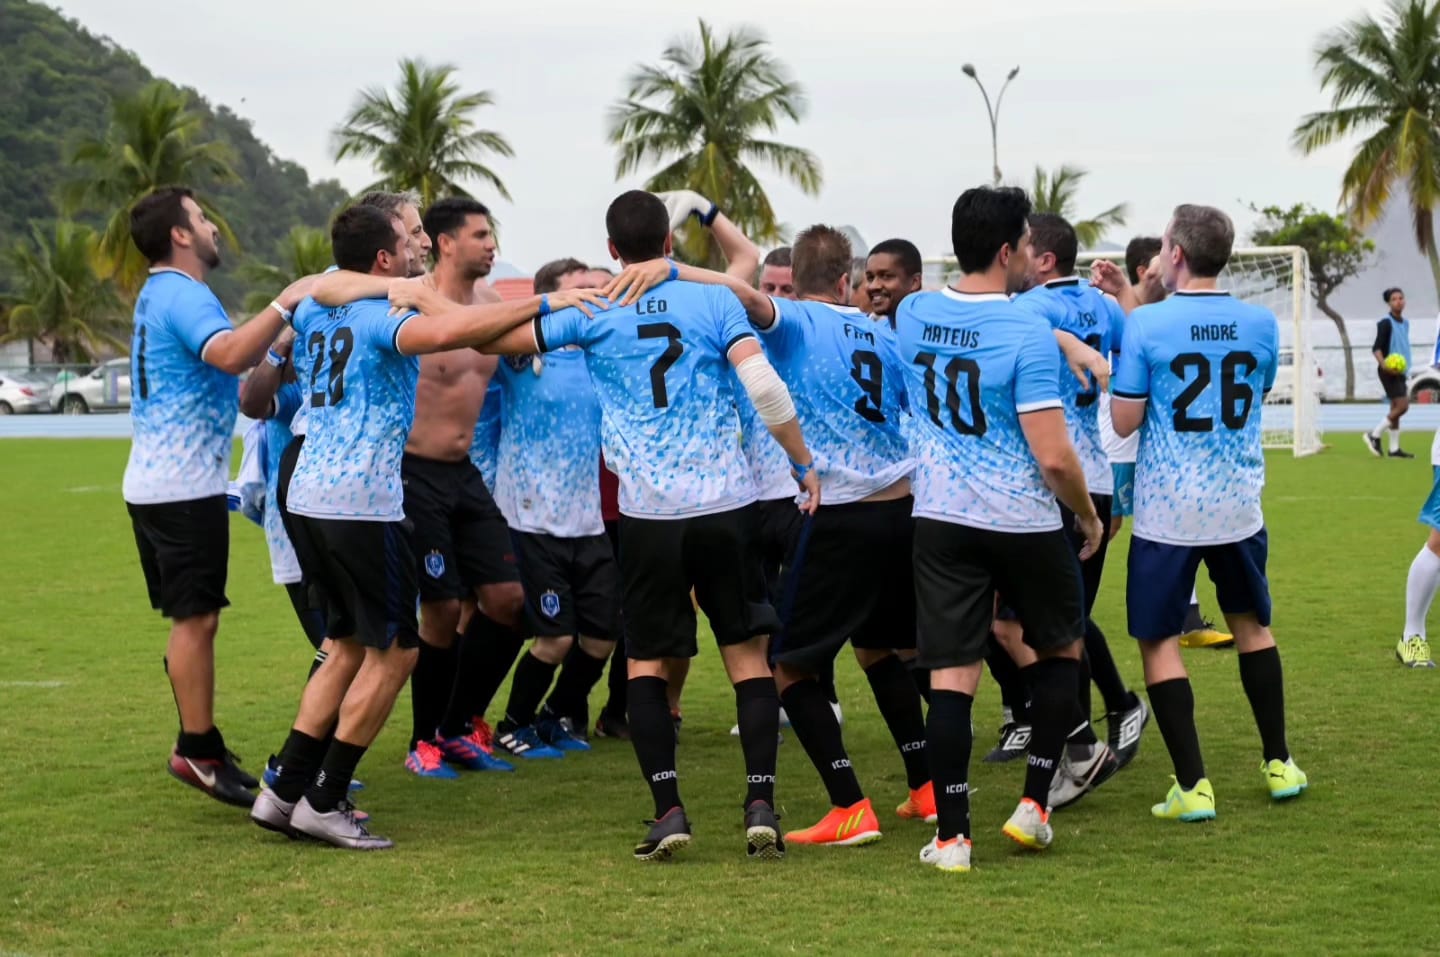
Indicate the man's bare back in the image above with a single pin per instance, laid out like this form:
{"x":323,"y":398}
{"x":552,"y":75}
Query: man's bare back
{"x":450,"y":392}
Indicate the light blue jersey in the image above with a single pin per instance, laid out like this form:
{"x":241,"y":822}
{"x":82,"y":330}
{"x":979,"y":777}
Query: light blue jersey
{"x":769,"y":465}
{"x":844,"y":374}
{"x":1392,"y":337}
{"x":973,"y":365}
{"x":360,"y":408}
{"x":284,"y":565}
{"x":1076,"y":307}
{"x":182,"y":411}
{"x":549,"y":444}
{"x":485,"y":447}
{"x":1202,"y":363}
{"x":670,"y":429}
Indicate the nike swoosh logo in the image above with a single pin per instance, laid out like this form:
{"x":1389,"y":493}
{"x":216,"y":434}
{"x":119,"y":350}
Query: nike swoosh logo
{"x":207,"y":778}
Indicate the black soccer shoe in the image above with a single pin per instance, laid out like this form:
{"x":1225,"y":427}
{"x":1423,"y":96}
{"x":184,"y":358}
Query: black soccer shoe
{"x":762,"y":833}
{"x":671,"y":833}
{"x":215,"y":777}
{"x":1014,"y":742}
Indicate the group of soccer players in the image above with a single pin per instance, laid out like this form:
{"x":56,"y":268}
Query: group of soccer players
{"x":926,"y":479}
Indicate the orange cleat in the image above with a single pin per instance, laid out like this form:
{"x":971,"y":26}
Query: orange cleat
{"x":842,"y":827}
{"x":920,"y":805}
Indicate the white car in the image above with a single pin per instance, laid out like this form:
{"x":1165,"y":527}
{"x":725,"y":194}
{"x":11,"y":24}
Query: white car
{"x":106,"y":387}
{"x":22,"y":394}
{"x":1284,"y":388}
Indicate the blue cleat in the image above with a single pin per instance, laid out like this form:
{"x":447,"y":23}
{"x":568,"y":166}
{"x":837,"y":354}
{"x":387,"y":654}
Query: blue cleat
{"x":560,"y":734}
{"x":427,"y":761}
{"x":525,"y":743}
{"x":469,"y":753}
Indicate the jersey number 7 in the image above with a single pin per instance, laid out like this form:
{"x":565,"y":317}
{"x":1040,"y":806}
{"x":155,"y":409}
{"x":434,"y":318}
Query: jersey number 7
{"x":661,"y":330}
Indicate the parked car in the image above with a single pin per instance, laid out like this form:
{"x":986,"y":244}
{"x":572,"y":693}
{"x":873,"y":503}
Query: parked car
{"x":1284,"y":388}
{"x":19,"y":394}
{"x":107,"y":386}
{"x":1424,"y":384}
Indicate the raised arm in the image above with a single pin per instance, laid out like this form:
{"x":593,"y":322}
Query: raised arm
{"x":476,"y":326}
{"x":245,"y":346}
{"x":742,"y":257}
{"x":257,"y":392}
{"x":639,"y":278}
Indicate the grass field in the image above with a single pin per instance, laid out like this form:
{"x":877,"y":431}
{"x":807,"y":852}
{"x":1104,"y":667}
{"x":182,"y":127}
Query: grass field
{"x":101,"y":851}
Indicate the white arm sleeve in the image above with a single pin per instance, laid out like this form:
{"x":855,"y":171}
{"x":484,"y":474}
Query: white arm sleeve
{"x":772,"y":400}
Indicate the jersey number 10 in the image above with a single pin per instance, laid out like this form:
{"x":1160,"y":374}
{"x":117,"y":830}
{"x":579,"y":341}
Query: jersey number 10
{"x":956,"y":369}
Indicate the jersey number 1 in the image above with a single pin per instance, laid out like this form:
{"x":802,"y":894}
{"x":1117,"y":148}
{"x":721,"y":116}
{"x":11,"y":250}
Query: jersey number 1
{"x":661,"y":330}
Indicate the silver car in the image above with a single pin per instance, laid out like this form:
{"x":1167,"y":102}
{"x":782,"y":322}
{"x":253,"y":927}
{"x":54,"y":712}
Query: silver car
{"x":19,"y":394}
{"x":106,"y":387}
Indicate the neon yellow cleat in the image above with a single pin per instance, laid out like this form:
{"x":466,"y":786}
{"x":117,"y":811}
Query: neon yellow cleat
{"x":1414,"y":652}
{"x":1284,"y":778}
{"x":1196,"y":804}
{"x":1206,"y":637}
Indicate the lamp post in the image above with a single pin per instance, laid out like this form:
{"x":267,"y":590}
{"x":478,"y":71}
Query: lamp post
{"x":969,"y":70}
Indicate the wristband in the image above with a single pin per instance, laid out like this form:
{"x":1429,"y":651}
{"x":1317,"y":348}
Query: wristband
{"x":674,"y":270}
{"x":285,"y":314}
{"x":544,"y":305}
{"x":275,"y":359}
{"x":802,"y":470}
{"x":707,"y":218}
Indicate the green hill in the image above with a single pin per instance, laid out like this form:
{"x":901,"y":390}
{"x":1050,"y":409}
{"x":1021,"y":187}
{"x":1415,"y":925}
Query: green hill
{"x":59,"y":81}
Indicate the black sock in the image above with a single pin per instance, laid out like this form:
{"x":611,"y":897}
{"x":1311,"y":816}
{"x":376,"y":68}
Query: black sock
{"x":1265,"y":687}
{"x":430,"y":690}
{"x":532,"y":679}
{"x":1194,"y":621}
{"x":819,"y":733}
{"x":757,"y":709}
{"x":653,"y":734}
{"x":208,"y":744}
{"x":571,"y":696}
{"x":825,"y":676}
{"x":900,"y":707}
{"x":299,"y":760}
{"x":1013,"y":692}
{"x":920,"y":677}
{"x":1053,"y":710}
{"x":1103,"y":671}
{"x":1173,"y":703}
{"x":948,"y":731}
{"x":336,"y":771}
{"x":483,"y":661}
{"x":1082,"y":734}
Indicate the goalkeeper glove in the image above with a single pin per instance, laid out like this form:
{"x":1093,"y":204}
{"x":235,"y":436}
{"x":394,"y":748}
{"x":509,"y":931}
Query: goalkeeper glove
{"x":681,"y":204}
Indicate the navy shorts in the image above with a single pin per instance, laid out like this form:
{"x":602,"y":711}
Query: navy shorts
{"x":1161,"y":578}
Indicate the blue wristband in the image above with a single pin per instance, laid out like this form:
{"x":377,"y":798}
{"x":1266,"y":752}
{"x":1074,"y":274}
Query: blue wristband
{"x":709,"y":218}
{"x":274,"y":358}
{"x":674,"y":270}
{"x":802,"y":470}
{"x":544,"y":305}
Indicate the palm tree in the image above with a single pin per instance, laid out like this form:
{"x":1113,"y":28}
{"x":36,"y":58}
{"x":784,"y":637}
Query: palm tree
{"x":424,"y":138}
{"x":701,"y":112}
{"x":1384,"y":81}
{"x":1055,"y":193}
{"x":59,"y":299}
{"x":304,"y":251}
{"x":154,"y":140}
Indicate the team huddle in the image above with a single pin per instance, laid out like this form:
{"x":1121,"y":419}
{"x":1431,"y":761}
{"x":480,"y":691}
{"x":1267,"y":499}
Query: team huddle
{"x":932,"y":479}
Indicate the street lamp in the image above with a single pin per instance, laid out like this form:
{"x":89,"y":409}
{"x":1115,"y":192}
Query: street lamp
{"x":969,"y":70}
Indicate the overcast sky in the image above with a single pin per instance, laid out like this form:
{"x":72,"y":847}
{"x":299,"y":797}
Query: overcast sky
{"x":1162,"y":103}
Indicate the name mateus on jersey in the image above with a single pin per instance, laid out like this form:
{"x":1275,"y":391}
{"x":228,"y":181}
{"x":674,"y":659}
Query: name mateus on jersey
{"x":947,"y":336}
{"x":1214,"y":333}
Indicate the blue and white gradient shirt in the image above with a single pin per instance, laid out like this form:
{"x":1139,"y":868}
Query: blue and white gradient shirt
{"x":284,"y":565}
{"x":1202,"y":363}
{"x":769,"y":465}
{"x":973,"y":365}
{"x":549,"y":444}
{"x":485,"y":447}
{"x":182,"y":410}
{"x":360,"y":408}
{"x":668,"y":421}
{"x":844,"y":375}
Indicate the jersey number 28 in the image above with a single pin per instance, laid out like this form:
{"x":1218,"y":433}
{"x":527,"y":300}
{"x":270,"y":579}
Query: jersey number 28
{"x":342,"y":344}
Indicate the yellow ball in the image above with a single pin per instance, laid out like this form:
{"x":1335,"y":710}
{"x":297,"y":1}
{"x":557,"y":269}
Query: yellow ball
{"x":1395,"y":363}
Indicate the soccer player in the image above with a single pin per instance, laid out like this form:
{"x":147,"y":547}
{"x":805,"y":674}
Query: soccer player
{"x":1392,"y":337}
{"x":348,"y":494}
{"x":1068,"y":303}
{"x":1193,"y":371}
{"x":659,"y":362}
{"x":993,"y":454}
{"x":893,"y":270}
{"x":859,"y":295}
{"x":1413,"y":649}
{"x":184,"y":357}
{"x":776,"y":275}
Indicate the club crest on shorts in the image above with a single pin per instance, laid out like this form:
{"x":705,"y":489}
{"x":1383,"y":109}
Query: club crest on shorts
{"x":434,"y":564}
{"x":550,"y":604}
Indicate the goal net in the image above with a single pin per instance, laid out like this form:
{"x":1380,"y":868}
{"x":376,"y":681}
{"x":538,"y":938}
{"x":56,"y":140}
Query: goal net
{"x":1277,"y":278}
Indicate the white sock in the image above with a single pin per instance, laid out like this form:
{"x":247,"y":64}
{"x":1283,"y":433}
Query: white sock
{"x":1420,"y":587}
{"x":1379,"y":431}
{"x":1395,"y":439}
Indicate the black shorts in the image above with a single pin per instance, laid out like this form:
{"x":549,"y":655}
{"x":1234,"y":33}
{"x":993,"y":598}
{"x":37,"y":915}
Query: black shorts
{"x":1394,"y":385}
{"x":288,"y":458}
{"x":461,"y":539}
{"x":572,"y":585}
{"x":852,"y":576}
{"x":957,"y":572}
{"x":366,"y":571}
{"x":718,"y":556}
{"x":184,"y":553}
{"x":780,"y":524}
{"x":1092,"y":568}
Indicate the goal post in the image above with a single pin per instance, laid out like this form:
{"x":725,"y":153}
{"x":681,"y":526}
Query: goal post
{"x":1278,"y":279}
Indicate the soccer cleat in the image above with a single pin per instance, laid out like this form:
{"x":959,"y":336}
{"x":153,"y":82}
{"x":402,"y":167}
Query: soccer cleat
{"x":428,"y":761}
{"x":1206,"y":636}
{"x":1399,"y":454}
{"x":842,"y":827}
{"x":920,"y":805}
{"x":612,"y":726}
{"x":1125,"y":730}
{"x":952,"y":855}
{"x":345,"y":805}
{"x":469,"y":753}
{"x":525,"y":743}
{"x":1196,"y":804}
{"x":246,"y":779}
{"x":1014,"y":740}
{"x":273,"y":814}
{"x":1075,"y":779}
{"x":216,"y":777}
{"x":762,"y":833}
{"x":669,"y":834}
{"x":338,"y":828}
{"x":1414,"y":652}
{"x":271,"y":774}
{"x":1284,"y":778}
{"x":1372,"y":442}
{"x":484,"y":734}
{"x":560,"y":734}
{"x":1029,"y":826}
